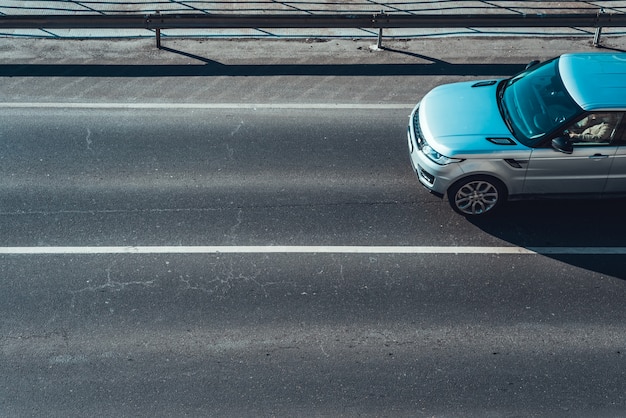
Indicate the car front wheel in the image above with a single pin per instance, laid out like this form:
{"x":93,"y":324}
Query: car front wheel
{"x":476,"y":195}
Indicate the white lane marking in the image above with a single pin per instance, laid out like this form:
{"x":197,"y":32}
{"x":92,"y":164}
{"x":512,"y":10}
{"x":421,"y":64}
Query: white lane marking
{"x":281,"y":249}
{"x":57,"y":105}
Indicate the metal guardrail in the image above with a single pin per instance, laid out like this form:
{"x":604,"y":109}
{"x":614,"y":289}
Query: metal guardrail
{"x":378,"y":21}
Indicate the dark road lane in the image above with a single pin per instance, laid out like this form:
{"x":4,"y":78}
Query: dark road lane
{"x":286,"y":334}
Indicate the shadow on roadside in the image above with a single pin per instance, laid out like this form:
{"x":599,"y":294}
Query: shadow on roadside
{"x":208,"y":67}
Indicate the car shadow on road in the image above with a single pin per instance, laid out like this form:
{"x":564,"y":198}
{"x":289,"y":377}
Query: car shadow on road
{"x":594,"y":224}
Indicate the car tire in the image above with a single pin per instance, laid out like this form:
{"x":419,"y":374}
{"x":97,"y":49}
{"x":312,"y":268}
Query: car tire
{"x":476,"y":195}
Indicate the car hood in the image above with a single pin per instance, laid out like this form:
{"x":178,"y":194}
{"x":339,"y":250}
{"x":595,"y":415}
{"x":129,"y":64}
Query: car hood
{"x":460,"y":118}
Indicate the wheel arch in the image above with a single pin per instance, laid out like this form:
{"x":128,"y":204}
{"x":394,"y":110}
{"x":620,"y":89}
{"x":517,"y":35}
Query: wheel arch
{"x":478,"y":175}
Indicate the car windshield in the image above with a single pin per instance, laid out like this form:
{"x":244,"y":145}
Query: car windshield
{"x":535,"y":103}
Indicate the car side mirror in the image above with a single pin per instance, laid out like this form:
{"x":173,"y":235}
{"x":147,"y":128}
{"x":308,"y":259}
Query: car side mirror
{"x":532,"y":64}
{"x":563,"y":144}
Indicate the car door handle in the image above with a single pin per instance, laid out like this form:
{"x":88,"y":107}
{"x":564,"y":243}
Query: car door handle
{"x":598,"y":156}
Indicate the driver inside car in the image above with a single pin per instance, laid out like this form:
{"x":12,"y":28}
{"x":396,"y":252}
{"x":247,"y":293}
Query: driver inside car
{"x":597,"y":127}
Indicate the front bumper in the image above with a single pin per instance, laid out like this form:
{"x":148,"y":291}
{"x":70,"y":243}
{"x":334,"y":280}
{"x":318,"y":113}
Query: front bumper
{"x":436,"y":178}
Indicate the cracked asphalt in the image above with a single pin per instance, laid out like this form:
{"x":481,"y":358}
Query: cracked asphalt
{"x":285,"y":143}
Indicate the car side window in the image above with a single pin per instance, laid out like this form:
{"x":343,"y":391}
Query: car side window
{"x":620,"y":132}
{"x":598,"y":128}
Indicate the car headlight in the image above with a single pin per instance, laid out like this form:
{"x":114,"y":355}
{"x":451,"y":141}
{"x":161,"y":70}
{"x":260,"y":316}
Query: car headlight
{"x":438,"y":158}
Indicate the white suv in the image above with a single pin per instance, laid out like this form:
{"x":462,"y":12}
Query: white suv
{"x":557,"y":129}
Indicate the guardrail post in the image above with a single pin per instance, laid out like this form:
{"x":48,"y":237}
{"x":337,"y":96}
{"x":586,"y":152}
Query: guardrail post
{"x":157,"y":32}
{"x":598,"y":34}
{"x":379,"y":41}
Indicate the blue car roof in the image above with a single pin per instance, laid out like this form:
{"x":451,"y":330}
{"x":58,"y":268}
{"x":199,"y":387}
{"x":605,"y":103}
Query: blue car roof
{"x":596,"y":81}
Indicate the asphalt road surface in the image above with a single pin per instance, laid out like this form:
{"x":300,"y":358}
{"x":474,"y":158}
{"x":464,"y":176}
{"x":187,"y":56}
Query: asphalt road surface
{"x":196,"y":257}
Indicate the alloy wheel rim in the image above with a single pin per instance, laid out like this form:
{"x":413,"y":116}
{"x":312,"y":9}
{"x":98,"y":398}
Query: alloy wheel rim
{"x":476,"y":197}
